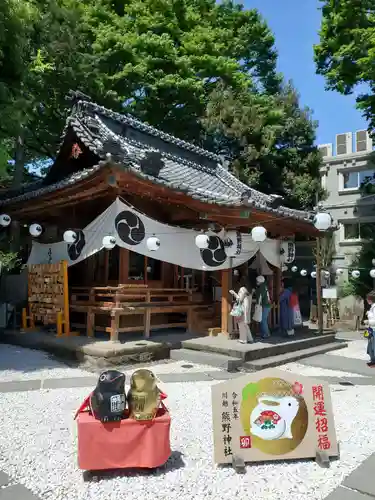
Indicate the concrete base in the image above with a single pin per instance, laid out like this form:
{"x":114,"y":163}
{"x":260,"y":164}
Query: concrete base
{"x":220,"y":351}
{"x":100,"y":353}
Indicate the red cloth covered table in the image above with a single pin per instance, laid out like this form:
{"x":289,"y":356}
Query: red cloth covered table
{"x":125,"y":444}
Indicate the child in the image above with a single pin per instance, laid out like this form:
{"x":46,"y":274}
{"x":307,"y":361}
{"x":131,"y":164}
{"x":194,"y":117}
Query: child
{"x":371,"y":327}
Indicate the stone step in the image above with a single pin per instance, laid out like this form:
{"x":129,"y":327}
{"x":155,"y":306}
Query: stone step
{"x":289,"y":357}
{"x":275,"y":346}
{"x":231,"y":364}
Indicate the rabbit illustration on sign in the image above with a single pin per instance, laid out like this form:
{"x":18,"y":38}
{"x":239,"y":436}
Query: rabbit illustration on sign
{"x":273,"y":417}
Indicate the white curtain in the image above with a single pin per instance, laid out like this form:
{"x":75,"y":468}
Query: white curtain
{"x":177,"y":245}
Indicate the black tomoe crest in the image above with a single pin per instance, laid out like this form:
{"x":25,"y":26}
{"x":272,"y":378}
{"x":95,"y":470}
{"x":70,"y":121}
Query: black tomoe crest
{"x":214,"y":255}
{"x":130,"y":228}
{"x":75,"y":249}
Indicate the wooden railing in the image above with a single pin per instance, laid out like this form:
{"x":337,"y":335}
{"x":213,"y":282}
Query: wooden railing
{"x":129,"y":301}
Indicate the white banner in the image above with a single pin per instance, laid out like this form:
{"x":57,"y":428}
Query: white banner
{"x":177,"y":245}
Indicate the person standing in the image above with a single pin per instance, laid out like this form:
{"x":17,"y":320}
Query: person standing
{"x":286,"y":310}
{"x":371,"y":327}
{"x":242,"y":312}
{"x":262,"y":299}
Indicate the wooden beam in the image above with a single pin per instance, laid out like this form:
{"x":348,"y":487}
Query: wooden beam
{"x":225,"y":301}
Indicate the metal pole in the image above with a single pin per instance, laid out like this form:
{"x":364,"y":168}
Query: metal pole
{"x":319,"y":302}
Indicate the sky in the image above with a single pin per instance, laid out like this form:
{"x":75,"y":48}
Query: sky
{"x":295,"y":24}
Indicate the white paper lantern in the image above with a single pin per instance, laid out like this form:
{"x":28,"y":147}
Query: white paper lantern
{"x":70,"y":236}
{"x":322,"y":221}
{"x":202,"y":241}
{"x":303,"y":272}
{"x":148,"y":269}
{"x":339,"y":272}
{"x":372,"y":273}
{"x":153,"y":243}
{"x":313,"y":274}
{"x":5,"y":220}
{"x":327,"y":274}
{"x":259,"y":234}
{"x":294,"y":269}
{"x":236,"y":272}
{"x":284,"y":269}
{"x":373,"y":262}
{"x":356,"y":274}
{"x":109,"y":242}
{"x":35,"y":230}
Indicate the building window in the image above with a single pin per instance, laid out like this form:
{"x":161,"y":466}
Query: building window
{"x":351,"y":232}
{"x":356,"y":231}
{"x":354,"y":179}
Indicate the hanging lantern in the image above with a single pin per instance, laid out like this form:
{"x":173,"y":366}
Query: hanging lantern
{"x":372,"y":273}
{"x":294,"y":269}
{"x":109,"y":242}
{"x":35,"y":230}
{"x":356,"y":274}
{"x":284,"y":269}
{"x":326,"y":274}
{"x":236,"y":272}
{"x":303,"y":272}
{"x":339,"y":272}
{"x":202,"y":241}
{"x":313,"y":274}
{"x":5,"y":220}
{"x":148,"y":269}
{"x":322,"y":221}
{"x":153,"y":243}
{"x":373,"y":262}
{"x":70,"y":236}
{"x":259,"y":234}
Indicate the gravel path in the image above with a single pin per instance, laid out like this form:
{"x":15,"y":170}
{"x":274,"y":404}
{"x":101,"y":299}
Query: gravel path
{"x":38,"y":447}
{"x":310,"y":371}
{"x":356,"y":349}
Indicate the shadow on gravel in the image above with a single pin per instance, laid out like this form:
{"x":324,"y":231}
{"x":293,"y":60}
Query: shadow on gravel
{"x":174,"y":462}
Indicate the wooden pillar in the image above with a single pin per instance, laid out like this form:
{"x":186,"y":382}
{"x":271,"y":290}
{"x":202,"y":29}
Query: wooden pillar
{"x":225,"y":301}
{"x":123,"y":266}
{"x":319,"y":301}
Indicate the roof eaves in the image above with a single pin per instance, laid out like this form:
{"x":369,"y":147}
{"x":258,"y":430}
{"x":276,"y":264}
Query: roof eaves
{"x":72,"y":179}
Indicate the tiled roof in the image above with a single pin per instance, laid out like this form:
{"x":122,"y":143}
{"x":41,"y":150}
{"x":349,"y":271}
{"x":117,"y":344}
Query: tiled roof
{"x":182,"y":166}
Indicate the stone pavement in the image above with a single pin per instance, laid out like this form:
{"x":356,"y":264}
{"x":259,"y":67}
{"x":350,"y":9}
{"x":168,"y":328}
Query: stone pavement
{"x":13,"y":491}
{"x":359,"y":485}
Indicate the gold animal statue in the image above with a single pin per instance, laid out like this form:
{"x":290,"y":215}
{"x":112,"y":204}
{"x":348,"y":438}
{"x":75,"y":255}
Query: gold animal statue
{"x":144,"y":396}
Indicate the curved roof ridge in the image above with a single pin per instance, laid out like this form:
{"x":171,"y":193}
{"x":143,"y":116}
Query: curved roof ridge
{"x":145,"y":127}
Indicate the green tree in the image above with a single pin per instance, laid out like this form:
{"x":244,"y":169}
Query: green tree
{"x":158,"y":59}
{"x":270,"y":140}
{"x":345,"y":55}
{"x":162,"y":58}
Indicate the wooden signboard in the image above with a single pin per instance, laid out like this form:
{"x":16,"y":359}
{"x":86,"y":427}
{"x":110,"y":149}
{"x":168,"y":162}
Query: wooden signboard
{"x":272,"y":415}
{"x":49,"y":294}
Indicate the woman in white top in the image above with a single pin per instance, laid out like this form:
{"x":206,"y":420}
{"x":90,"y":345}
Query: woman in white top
{"x":244,"y":299}
{"x":371,"y":325}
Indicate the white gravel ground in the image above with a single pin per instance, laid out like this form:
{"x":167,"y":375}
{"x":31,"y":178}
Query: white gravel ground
{"x":18,"y":363}
{"x":356,"y":349}
{"x":38,"y":448}
{"x":310,"y":371}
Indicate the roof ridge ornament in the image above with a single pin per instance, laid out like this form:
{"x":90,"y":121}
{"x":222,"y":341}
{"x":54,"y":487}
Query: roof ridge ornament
{"x":75,"y":96}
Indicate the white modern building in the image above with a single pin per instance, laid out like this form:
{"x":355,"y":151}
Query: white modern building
{"x":345,"y":166}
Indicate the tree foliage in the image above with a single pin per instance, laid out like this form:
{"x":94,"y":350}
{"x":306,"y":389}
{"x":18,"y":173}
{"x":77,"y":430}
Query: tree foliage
{"x":345,"y":55}
{"x":199,"y":69}
{"x":270,"y":140}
